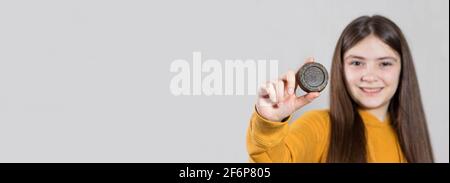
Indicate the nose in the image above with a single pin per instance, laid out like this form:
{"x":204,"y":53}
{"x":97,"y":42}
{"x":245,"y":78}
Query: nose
{"x":370,"y":75}
{"x":369,"y":78}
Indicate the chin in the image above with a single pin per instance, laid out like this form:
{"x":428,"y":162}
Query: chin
{"x":371,"y":104}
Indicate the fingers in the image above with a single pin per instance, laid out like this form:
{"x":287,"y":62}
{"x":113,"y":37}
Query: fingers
{"x":277,"y":91}
{"x":305,"y":99}
{"x":266,"y":95}
{"x":289,"y":79}
{"x":309,"y":60}
{"x":262,"y":91}
{"x":279,"y":88}
{"x":273,"y":90}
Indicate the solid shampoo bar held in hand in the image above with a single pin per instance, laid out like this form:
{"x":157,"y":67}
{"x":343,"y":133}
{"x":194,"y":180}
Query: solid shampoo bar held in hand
{"x":312,"y":77}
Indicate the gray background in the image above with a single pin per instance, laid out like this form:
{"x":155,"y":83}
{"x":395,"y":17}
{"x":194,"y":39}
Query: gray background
{"x":88,"y":81}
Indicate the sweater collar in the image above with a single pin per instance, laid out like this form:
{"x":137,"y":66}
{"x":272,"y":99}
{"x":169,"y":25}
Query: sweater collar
{"x":370,"y":119}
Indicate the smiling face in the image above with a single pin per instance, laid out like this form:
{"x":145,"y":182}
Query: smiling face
{"x":372,"y":71}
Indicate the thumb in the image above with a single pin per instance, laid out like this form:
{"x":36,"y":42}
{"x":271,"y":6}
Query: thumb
{"x":305,"y":99}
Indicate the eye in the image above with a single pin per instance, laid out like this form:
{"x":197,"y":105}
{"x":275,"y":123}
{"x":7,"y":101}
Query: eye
{"x":356,"y":63}
{"x":385,"y":64}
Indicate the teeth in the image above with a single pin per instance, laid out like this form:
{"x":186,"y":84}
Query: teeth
{"x":371,"y":90}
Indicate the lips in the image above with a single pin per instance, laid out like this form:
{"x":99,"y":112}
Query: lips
{"x":371,"y":90}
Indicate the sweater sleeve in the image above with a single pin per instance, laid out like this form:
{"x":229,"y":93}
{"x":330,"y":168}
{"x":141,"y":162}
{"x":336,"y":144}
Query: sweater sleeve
{"x":302,"y":141}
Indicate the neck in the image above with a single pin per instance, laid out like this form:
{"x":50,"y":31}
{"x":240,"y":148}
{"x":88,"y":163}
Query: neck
{"x":379,"y":112}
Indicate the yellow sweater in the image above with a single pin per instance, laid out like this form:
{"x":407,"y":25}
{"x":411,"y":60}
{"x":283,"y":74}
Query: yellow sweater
{"x":307,"y":139}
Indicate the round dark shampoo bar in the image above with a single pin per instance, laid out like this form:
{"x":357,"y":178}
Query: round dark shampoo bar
{"x":312,"y":77}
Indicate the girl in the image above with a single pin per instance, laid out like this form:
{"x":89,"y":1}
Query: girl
{"x":375,"y":112}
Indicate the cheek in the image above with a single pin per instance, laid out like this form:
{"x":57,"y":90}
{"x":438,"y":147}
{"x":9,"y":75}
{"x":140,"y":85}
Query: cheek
{"x":391,"y":77}
{"x":352,"y":77}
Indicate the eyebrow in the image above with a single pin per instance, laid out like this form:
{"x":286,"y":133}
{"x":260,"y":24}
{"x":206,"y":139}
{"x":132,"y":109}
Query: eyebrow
{"x":386,"y":58}
{"x":354,"y":56}
{"x":363,"y":58}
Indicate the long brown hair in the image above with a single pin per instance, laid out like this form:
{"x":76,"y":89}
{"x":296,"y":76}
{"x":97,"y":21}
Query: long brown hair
{"x":347,"y":139}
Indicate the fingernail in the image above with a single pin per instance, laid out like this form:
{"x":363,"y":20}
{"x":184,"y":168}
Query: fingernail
{"x":291,"y":91}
